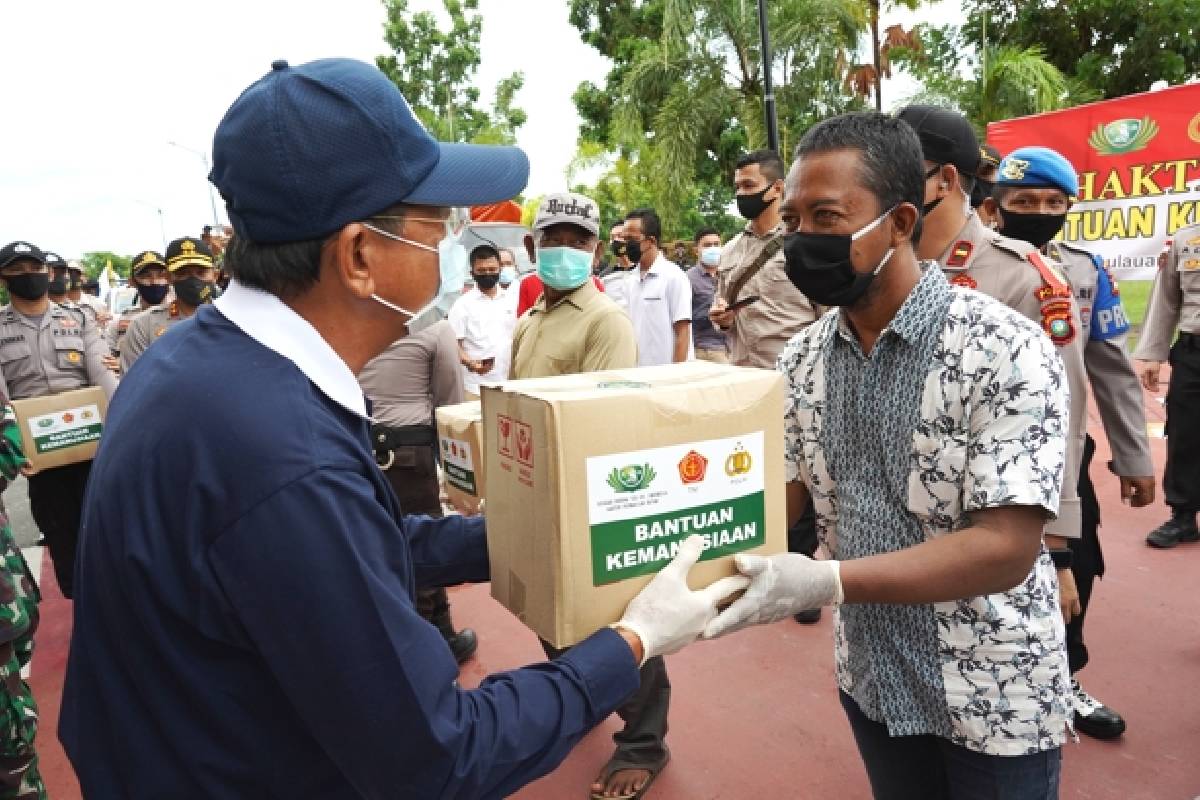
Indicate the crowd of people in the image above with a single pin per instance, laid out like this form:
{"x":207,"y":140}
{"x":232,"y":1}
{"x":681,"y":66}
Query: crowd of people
{"x":259,"y":553}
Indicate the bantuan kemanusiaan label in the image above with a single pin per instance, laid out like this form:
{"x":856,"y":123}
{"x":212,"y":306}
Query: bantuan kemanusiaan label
{"x":643,"y":504}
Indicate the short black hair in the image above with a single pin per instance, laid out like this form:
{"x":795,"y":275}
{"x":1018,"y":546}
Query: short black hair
{"x":891,"y":160}
{"x":769,"y":163}
{"x":651,"y":225}
{"x":700,"y":234}
{"x":483,"y":252}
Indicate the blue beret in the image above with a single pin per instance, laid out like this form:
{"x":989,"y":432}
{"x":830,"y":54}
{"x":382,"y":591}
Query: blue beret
{"x":1038,"y":166}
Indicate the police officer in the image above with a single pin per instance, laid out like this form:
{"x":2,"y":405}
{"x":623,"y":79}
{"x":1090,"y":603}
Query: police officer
{"x":1175,"y":303}
{"x":1014,"y":273}
{"x":985,"y":181}
{"x":85,"y":300}
{"x":46,"y":349}
{"x":1034,"y":190}
{"x":147,"y":274}
{"x":58,"y":289}
{"x":405,"y":383}
{"x":193,"y":278}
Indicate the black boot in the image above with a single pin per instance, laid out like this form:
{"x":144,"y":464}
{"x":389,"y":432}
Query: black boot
{"x":435,"y":607}
{"x":1181,"y":527}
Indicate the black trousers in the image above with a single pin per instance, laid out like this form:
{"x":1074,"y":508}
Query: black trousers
{"x":642,"y":740}
{"x":1181,"y":480}
{"x":802,"y":537}
{"x":1087,"y":559}
{"x":56,"y":501}
{"x":413,"y":477}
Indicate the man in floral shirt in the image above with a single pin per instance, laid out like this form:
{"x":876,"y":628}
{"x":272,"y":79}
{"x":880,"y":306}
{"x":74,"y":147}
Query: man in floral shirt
{"x":927,"y":424}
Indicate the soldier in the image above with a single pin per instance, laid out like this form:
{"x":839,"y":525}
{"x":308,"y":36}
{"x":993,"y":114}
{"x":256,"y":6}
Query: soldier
{"x":19,"y":598}
{"x":46,"y":349}
{"x":405,"y":383}
{"x":1175,"y":303}
{"x":190,"y":269}
{"x":147,"y":274}
{"x":1014,"y":273}
{"x":1033,"y":195}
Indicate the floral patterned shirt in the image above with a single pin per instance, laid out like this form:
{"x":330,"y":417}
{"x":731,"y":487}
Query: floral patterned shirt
{"x":960,"y":406}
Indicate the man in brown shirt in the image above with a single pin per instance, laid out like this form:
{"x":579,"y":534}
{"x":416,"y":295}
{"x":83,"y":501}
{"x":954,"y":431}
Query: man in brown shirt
{"x":758,"y":331}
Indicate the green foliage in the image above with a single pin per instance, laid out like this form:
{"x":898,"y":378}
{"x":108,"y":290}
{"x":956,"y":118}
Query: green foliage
{"x":684,"y":97}
{"x":1110,"y":47}
{"x":93,"y":263}
{"x":435,"y":71}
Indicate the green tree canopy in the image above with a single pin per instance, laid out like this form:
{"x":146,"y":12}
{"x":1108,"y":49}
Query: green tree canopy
{"x":435,"y":71}
{"x":94,"y":262}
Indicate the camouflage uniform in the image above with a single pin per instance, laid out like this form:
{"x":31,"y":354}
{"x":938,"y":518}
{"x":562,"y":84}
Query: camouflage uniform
{"x":19,"y":776}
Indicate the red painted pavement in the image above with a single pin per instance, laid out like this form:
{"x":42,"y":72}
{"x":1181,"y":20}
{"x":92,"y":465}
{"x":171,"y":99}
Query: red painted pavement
{"x":756,"y":715}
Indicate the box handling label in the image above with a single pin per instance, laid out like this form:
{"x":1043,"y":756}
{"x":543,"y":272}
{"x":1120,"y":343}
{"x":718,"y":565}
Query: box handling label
{"x":66,"y":428}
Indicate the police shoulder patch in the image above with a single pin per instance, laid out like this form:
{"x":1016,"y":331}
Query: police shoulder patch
{"x":959,"y":253}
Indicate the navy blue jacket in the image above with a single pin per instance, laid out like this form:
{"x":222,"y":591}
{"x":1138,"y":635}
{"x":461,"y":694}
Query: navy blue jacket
{"x":244,"y":618}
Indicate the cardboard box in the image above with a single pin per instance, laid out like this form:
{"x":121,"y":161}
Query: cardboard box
{"x":61,"y":429}
{"x":460,"y":440}
{"x":595,"y":479}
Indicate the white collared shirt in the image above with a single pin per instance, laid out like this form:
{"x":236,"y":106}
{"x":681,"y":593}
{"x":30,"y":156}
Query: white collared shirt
{"x":269,"y":321}
{"x":656,"y":301}
{"x":484,"y":325}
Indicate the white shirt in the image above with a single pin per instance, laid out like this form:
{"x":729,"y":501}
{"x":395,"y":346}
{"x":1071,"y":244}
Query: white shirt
{"x":658,"y":299}
{"x":267,"y":320}
{"x":484,"y":326}
{"x":616,"y":287}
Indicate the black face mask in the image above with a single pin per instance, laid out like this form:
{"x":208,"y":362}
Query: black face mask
{"x":193,"y":291}
{"x":618,"y":248}
{"x":153,"y":293}
{"x":30,"y":286}
{"x":633,"y":250}
{"x":57,"y":286}
{"x":1037,"y":229}
{"x":819,"y":265}
{"x":928,"y":208}
{"x":486,"y":281}
{"x":981,"y":191}
{"x":751,"y":206}
{"x":75,"y":284}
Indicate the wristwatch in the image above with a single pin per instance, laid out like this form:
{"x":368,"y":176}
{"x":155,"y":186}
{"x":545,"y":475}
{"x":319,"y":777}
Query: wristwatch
{"x":1062,"y":558}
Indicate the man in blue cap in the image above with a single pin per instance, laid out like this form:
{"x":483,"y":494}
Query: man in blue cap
{"x":1035,"y":187}
{"x":245,"y":620}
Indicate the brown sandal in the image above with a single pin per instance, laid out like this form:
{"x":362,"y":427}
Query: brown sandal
{"x":617,"y":763}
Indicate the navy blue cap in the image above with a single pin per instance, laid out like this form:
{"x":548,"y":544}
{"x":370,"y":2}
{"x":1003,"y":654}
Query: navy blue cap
{"x":15,"y":251}
{"x":1038,"y":167}
{"x":946,"y":136}
{"x":54,"y":260}
{"x":306,"y":150}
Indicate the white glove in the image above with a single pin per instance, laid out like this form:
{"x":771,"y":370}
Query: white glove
{"x":667,"y":615}
{"x":781,"y":585}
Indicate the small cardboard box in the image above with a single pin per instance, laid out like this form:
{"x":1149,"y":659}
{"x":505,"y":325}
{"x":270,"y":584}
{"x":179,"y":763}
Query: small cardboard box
{"x":460,"y":440}
{"x":61,"y":429}
{"x":595,"y":479}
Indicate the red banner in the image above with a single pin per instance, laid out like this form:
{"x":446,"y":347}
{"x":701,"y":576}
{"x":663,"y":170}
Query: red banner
{"x":1138,"y":159}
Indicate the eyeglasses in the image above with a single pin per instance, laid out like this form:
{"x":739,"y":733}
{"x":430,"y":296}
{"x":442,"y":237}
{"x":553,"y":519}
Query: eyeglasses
{"x":454,"y":224}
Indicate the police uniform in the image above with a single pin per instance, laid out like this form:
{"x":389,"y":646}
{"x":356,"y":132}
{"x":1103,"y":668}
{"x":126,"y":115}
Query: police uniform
{"x":58,"y":352}
{"x":1016,"y":274}
{"x":152,"y":323}
{"x":117,"y":328}
{"x":55,"y":261}
{"x":1175,"y":303}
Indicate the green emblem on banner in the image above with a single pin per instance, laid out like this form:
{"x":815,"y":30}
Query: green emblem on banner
{"x":632,"y":478}
{"x":1123,"y":136}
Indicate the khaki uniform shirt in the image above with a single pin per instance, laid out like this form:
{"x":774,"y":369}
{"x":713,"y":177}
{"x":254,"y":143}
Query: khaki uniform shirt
{"x":115,"y":332}
{"x":60,"y":352}
{"x":761,"y":329}
{"x":144,"y":329}
{"x":584,"y":332}
{"x":1114,"y":384}
{"x":981,"y":259}
{"x":415,"y":375}
{"x":1175,"y":300}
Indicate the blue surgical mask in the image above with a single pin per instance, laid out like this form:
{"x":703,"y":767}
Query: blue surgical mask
{"x":709,"y":256}
{"x":508,"y":275}
{"x":452,"y":270}
{"x":563,"y":268}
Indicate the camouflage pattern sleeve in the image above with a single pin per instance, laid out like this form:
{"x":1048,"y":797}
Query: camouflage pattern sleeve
{"x":11,"y":455}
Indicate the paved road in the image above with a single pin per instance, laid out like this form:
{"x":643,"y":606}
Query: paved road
{"x":16,"y":502}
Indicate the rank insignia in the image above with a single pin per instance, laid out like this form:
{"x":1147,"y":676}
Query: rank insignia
{"x":960,"y":253}
{"x":1014,"y":169}
{"x":964,"y":280}
{"x":74,"y":357}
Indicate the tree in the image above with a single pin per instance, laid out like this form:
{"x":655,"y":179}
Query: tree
{"x":93,"y":263}
{"x":1110,"y":47}
{"x":684,"y":97}
{"x":435,"y":71}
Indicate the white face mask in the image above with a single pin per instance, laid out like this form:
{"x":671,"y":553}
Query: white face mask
{"x":452,"y":269}
{"x":711,"y":255}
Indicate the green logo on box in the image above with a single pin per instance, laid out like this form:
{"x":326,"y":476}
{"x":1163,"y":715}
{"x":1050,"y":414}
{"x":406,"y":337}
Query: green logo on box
{"x":632,"y":478}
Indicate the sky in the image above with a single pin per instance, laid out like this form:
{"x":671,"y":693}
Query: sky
{"x":96,"y":93}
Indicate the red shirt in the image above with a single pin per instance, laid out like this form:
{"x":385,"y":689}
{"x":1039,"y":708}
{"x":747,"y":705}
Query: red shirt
{"x":531,"y":290}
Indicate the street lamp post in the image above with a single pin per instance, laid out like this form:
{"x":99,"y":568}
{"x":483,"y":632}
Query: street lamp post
{"x":162,"y":226}
{"x":203,"y":156}
{"x":768,"y":85}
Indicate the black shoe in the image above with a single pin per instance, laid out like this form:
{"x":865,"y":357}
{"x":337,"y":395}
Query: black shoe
{"x":463,"y":644}
{"x":1175,"y":530}
{"x":1093,"y":717}
{"x":810,"y":617}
